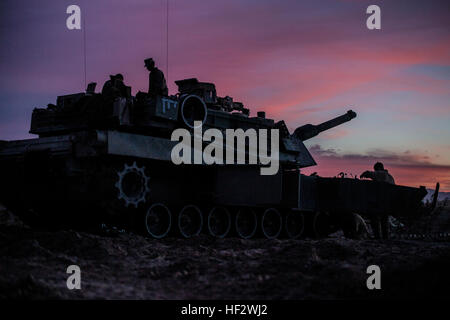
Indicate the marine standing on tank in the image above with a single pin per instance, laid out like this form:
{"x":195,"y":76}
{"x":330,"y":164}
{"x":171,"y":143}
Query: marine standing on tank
{"x":157,"y":83}
{"x":380,"y":224}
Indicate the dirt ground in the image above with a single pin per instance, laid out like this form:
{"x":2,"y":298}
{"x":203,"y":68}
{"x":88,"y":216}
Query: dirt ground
{"x":127,"y":266}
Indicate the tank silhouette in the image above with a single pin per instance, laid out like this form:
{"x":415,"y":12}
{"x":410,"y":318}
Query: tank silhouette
{"x":100,"y":160}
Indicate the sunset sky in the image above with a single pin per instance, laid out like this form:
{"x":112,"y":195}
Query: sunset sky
{"x":300,"y":61}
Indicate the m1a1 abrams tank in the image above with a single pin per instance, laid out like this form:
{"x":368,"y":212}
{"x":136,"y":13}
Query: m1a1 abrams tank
{"x":98,"y":159}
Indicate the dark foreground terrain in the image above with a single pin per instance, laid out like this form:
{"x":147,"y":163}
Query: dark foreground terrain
{"x":33,"y":265}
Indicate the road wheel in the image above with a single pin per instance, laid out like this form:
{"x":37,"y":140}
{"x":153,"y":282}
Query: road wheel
{"x":323,"y":224}
{"x":246,"y":223}
{"x":158,"y":220}
{"x":294,"y":224}
{"x":219,"y":222}
{"x":190,"y":221}
{"x":271,"y":223}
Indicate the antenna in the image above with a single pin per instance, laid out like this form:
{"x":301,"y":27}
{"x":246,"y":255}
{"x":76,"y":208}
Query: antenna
{"x":167,"y":39}
{"x":84,"y":47}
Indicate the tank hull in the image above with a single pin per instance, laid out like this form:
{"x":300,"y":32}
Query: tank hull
{"x":108,"y":175}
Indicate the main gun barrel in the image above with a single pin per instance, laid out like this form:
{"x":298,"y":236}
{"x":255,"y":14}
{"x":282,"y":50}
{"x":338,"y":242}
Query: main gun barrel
{"x":308,"y":131}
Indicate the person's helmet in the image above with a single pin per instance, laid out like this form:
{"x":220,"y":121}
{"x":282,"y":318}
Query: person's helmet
{"x":117,"y":76}
{"x":378,"y":166}
{"x":149,"y":62}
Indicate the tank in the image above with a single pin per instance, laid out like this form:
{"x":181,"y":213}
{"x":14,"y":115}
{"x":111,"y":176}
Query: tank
{"x":99,"y":159}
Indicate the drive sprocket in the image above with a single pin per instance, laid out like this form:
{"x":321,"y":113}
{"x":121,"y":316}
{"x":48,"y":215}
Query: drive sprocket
{"x":132,"y":185}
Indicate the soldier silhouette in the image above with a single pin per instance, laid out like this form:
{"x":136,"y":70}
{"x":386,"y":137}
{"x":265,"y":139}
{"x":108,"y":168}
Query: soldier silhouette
{"x":380,"y":174}
{"x":380,"y":223}
{"x":157,"y":83}
{"x":114,"y":87}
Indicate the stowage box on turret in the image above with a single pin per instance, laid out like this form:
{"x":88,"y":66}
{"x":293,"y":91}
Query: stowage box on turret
{"x":100,"y":160}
